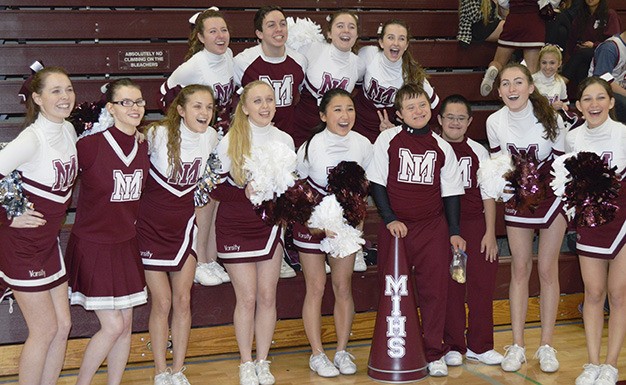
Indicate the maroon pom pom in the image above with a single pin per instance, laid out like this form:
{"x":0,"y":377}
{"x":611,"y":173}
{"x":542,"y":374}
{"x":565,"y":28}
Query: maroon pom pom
{"x":529,"y":181}
{"x":348,"y":182}
{"x":85,"y":115}
{"x":294,"y":205}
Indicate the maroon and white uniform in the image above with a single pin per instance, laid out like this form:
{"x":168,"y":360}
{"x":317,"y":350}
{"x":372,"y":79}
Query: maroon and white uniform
{"x":481,"y":274}
{"x":103,"y":261}
{"x":381,"y":81}
{"x":519,"y":133}
{"x":418,"y":168}
{"x":325,"y":152}
{"x":285,"y":74}
{"x":241,"y":234}
{"x":212,"y":70}
{"x":166,"y":225}
{"x":523,"y":27}
{"x":608,"y":141}
{"x":327,"y":68}
{"x":45,"y":155}
{"x":552,"y":87}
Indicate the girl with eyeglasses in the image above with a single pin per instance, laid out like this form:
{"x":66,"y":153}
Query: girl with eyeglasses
{"x":104,"y":265}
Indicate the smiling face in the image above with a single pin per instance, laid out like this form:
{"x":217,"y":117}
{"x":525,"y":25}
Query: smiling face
{"x":57,"y":97}
{"x":343,"y":32}
{"x":515,"y":88}
{"x":454,"y":121}
{"x":274,"y":33}
{"x":394,"y":42}
{"x":126,"y":118}
{"x":197,"y":111}
{"x":215,"y":35}
{"x":339,"y":115}
{"x":595,"y":104}
{"x":259,"y":104}
{"x":549,"y":64}
{"x":415,"y":111}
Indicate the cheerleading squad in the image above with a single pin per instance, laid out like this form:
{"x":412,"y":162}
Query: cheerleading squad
{"x":144,"y":224}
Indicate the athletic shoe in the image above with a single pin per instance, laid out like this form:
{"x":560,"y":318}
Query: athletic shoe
{"x":218,"y":271}
{"x":547,"y":359}
{"x":486,"y":86}
{"x":359,"y":261}
{"x":179,"y":378}
{"x":438,"y":368}
{"x":320,"y":364}
{"x":286,"y":271}
{"x":205,"y":276}
{"x":263,"y":373}
{"x":453,"y":358}
{"x":514,"y":357}
{"x":247,"y":374}
{"x":344,"y":362}
{"x":589,"y":375}
{"x":164,"y":378}
{"x":608,"y":375}
{"x":326,"y":267}
{"x":490,"y":357}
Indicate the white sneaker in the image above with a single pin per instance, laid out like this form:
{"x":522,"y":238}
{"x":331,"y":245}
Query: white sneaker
{"x":589,"y":375}
{"x":608,"y":375}
{"x":320,"y":364}
{"x":286,"y":271}
{"x":359,"y":261}
{"x":164,"y":378}
{"x":486,"y":86}
{"x":327,"y":267}
{"x":179,"y":378}
{"x":514,"y":357}
{"x":438,"y":368}
{"x":453,"y":358}
{"x":205,"y":277}
{"x":547,"y":359}
{"x":247,"y":374}
{"x":344,"y":362}
{"x":218,"y":271}
{"x":490,"y":357}
{"x":263,"y":373}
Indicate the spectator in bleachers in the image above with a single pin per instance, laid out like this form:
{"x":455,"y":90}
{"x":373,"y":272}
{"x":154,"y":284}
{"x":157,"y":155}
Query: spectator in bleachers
{"x":558,"y":29}
{"x":610,"y":62}
{"x":479,"y":20}
{"x":594,"y":23}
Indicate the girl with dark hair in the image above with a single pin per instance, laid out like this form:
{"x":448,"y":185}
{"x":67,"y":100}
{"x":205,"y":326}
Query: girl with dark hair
{"x":31,"y":263}
{"x":179,"y":146}
{"x":334,"y":142}
{"x":103,"y":259}
{"x":528,"y":126}
{"x":386,"y":68}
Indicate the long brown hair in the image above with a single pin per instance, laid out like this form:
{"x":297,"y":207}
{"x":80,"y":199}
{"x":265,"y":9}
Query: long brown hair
{"x":195,"y":45}
{"x":37,"y":84}
{"x":542,"y":109}
{"x":171,"y":122}
{"x":412,"y":71}
{"x":331,"y":19}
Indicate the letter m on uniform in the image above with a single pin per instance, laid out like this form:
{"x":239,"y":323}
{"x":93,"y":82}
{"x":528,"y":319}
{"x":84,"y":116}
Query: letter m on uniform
{"x":417,"y":168}
{"x":126,"y":187}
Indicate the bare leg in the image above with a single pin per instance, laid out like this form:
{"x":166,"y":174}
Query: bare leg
{"x":161,"y":302}
{"x":520,"y":242}
{"x":181,"y":315}
{"x":531,"y":56}
{"x":205,"y":220}
{"x":495,"y":35}
{"x":244,"y":277}
{"x":118,"y":356}
{"x":212,"y":245}
{"x":315,"y":279}
{"x":617,"y":301}
{"x":594,"y":272}
{"x":56,"y":352}
{"x":341,"y":275}
{"x":265,"y":320}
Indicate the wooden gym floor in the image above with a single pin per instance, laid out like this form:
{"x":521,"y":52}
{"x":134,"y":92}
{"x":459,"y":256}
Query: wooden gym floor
{"x":290,"y":366}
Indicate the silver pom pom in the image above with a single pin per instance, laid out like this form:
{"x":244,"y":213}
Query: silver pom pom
{"x":207,"y":182}
{"x":12,"y":196}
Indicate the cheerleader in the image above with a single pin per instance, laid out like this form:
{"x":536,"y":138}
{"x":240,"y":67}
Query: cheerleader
{"x":548,"y":81}
{"x":601,"y":249}
{"x":527,"y":124}
{"x":104,"y":266}
{"x":385,"y":69}
{"x":251,"y":250}
{"x":334,"y":142}
{"x":330,"y":64}
{"x":31,"y":264}
{"x":209,"y":62}
{"x":179,"y":147}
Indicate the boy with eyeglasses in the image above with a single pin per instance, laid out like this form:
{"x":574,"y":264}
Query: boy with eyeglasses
{"x":416,"y":184}
{"x":478,"y":218}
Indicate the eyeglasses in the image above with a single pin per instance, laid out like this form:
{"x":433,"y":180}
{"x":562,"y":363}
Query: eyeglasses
{"x":459,"y":119}
{"x":130,"y":103}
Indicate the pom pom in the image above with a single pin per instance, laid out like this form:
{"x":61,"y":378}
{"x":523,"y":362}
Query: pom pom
{"x":347,"y":181}
{"x":591,"y":190}
{"x":12,"y":196}
{"x":271,"y":170}
{"x":328,"y":215}
{"x":90,"y":118}
{"x":529,"y":184}
{"x":560,"y":178}
{"x":207,"y":182}
{"x":303,"y":32}
{"x":295,"y":205}
{"x":490,"y":176}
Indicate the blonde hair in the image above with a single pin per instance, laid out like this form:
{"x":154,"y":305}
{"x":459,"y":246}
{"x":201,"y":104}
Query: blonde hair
{"x":241,"y":136}
{"x":485,"y":9}
{"x":554,"y":50}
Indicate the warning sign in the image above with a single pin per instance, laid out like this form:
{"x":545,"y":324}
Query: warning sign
{"x":148,"y":60}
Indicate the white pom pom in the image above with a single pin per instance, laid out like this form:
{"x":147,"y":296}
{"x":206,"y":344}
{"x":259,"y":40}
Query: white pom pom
{"x":303,"y":32}
{"x":561,"y":178}
{"x":328,"y":215}
{"x":271,"y":170}
{"x":490,"y":176}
